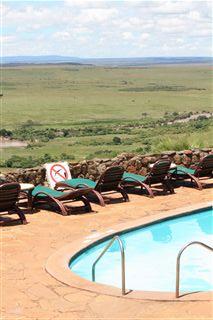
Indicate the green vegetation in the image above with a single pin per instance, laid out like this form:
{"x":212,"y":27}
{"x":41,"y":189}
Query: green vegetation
{"x":86,"y":112}
{"x":153,"y":88}
{"x":27,"y":162}
{"x":55,"y":96}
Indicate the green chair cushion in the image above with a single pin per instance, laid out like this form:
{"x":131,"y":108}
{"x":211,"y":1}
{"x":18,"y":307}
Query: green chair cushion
{"x":51,"y":192}
{"x":80,"y":183}
{"x":130,"y":177}
{"x":180,"y":170}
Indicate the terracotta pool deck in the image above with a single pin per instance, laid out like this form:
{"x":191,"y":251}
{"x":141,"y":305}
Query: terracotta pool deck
{"x":29,"y":292}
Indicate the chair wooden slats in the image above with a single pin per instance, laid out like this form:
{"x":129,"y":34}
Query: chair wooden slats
{"x":9,"y":193}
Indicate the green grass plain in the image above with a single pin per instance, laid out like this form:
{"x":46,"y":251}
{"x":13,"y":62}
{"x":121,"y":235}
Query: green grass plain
{"x":62,"y":95}
{"x":74,"y":96}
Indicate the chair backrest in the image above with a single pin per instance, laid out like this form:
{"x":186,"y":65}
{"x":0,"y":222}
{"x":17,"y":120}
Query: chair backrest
{"x":9,"y":193}
{"x":205,"y":166}
{"x":159,"y":171}
{"x":110,"y":179}
{"x":57,"y":172}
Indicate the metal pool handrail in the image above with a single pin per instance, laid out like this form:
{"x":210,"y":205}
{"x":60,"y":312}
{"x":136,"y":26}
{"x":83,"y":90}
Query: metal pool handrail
{"x":177,"y":291}
{"x":123,"y":279}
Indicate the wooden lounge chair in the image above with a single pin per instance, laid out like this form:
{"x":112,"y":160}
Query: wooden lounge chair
{"x":44,"y":195}
{"x":9,"y":193}
{"x":203,"y":169}
{"x":159,"y":173}
{"x":109,"y":181}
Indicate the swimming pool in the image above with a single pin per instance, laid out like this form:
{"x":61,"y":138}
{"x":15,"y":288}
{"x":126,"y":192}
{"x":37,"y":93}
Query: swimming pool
{"x":151,"y":253}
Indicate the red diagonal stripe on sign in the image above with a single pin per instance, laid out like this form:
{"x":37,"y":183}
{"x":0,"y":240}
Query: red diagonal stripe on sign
{"x":57,"y":172}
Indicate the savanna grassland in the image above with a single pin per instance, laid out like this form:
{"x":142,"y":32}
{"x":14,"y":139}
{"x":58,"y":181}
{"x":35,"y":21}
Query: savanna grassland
{"x":78,"y":112}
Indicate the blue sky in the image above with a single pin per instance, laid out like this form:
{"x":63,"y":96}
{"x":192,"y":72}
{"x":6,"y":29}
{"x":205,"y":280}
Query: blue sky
{"x":102,"y":28}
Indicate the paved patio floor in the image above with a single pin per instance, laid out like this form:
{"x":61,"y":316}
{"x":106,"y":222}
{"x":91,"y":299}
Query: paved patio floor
{"x":29,"y":292}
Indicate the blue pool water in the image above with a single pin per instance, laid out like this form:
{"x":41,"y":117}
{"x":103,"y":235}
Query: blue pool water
{"x":151,"y":254}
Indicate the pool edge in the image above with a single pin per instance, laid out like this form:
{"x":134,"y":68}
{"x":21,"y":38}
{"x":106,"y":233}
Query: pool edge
{"x":57,"y":264}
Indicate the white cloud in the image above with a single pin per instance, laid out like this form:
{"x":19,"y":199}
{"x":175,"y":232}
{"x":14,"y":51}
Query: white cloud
{"x":179,"y":40}
{"x":171,"y":7}
{"x":31,"y":18}
{"x":202,"y":32}
{"x":107,"y":27}
{"x":86,"y":3}
{"x":194,"y":15}
{"x":62,"y":35}
{"x":127,"y":35}
{"x":171,"y":22}
{"x":144,"y":36}
{"x":96,"y":15}
{"x":6,"y":39}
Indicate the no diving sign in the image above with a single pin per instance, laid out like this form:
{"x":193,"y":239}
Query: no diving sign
{"x":57,"y":172}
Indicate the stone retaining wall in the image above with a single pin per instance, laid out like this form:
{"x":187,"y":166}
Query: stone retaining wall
{"x":92,"y":169}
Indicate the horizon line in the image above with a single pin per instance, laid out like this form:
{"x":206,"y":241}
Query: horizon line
{"x":131,"y":57}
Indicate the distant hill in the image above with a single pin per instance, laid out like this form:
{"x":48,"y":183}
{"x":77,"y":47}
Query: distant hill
{"x":54,"y":59}
{"x":149,"y":61}
{"x":39,"y":59}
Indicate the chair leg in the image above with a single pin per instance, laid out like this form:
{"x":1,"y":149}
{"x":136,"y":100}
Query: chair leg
{"x":100,"y":198}
{"x":195,"y":180}
{"x":137,"y":183}
{"x":94,"y":192}
{"x":147,"y":188}
{"x":21,"y":214}
{"x":30,"y":201}
{"x":86,"y":202}
{"x":169,"y":186}
{"x":62,"y":207}
{"x":124,"y":194}
{"x":50,"y":199}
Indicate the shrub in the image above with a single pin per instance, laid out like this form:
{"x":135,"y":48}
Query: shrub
{"x":65,"y":156}
{"x":116,"y":140}
{"x":182,"y":142}
{"x":143,"y":150}
{"x":20,"y":162}
{"x":29,"y":123}
{"x":30,"y":162}
{"x":102,"y":154}
{"x":5,"y":133}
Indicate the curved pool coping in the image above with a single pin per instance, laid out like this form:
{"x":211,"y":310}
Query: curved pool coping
{"x":57,"y":264}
